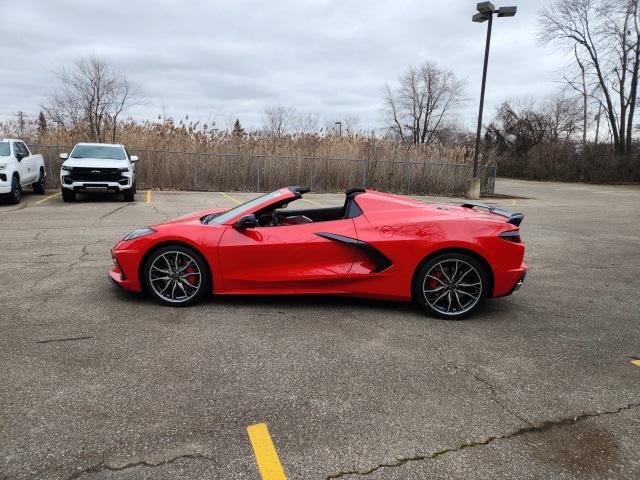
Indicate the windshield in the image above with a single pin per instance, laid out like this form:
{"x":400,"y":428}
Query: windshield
{"x":98,"y":151}
{"x":4,"y":149}
{"x":241,"y":209}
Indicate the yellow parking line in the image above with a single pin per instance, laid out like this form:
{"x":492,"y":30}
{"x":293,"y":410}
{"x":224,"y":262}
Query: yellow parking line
{"x":265,"y":452}
{"x":49,"y":197}
{"x":230,"y":197}
{"x":148,"y":196}
{"x":311,"y":201}
{"x":636,"y":362}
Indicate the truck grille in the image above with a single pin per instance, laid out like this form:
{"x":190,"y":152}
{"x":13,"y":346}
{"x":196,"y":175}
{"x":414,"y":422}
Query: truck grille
{"x":84,"y":174}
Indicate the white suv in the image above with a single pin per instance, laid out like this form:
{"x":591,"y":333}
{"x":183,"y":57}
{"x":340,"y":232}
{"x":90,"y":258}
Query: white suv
{"x":98,"y":166}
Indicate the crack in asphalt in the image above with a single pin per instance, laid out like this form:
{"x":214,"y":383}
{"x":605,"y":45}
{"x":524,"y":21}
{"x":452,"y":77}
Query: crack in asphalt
{"x":70,"y":339}
{"x":494,"y":394}
{"x":540,"y":427}
{"x":142,"y":463}
{"x":111,"y":212}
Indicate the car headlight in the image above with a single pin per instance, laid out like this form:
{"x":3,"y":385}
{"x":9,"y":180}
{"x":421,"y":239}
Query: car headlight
{"x":65,"y":168}
{"x":124,"y":170}
{"x":3,"y":166}
{"x":140,"y":232}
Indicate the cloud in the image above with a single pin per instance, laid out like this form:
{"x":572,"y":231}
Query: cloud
{"x":330,"y":57}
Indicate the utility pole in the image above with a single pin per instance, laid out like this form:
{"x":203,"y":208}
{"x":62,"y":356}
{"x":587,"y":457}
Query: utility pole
{"x":486,"y":10}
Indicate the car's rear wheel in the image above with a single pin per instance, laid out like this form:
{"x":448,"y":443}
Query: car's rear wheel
{"x":39,"y":186}
{"x":68,"y":195}
{"x":177,"y":276}
{"x":451,"y":286}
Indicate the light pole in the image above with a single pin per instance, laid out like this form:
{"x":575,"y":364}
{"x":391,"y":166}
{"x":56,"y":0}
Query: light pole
{"x":486,"y":10}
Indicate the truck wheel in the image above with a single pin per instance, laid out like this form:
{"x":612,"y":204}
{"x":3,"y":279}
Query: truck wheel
{"x":16,"y":190}
{"x":39,"y":186}
{"x":68,"y":195}
{"x":130,"y":195}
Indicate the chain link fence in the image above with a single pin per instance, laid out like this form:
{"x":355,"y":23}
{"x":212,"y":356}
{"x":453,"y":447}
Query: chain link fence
{"x":204,"y":171}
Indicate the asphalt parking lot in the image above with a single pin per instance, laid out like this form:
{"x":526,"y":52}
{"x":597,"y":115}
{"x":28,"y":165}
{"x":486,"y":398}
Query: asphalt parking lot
{"x":96,"y":383}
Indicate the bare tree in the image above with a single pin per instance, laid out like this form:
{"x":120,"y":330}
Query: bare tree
{"x":304,"y":123}
{"x":277,"y":120}
{"x":92,"y":94}
{"x":418,"y":108}
{"x":521,"y":125}
{"x":606,"y":35}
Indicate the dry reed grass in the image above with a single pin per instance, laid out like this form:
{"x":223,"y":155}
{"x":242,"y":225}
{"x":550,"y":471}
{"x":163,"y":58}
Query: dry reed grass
{"x":188,"y":156}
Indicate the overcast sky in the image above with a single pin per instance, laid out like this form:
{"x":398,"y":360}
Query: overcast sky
{"x":231,"y":58}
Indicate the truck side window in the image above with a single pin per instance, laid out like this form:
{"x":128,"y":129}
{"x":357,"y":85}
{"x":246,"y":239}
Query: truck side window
{"x":22,"y":149}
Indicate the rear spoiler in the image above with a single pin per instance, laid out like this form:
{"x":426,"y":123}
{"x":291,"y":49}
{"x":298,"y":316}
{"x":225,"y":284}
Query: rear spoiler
{"x":512,"y":217}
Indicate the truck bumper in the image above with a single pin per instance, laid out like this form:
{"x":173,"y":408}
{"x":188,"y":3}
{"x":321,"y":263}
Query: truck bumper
{"x":88,"y":186}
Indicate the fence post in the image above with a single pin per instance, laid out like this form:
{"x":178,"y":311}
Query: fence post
{"x":406,"y":176}
{"x":258,"y":168}
{"x":50,"y":166}
{"x":194,"y":180}
{"x":365,"y":164}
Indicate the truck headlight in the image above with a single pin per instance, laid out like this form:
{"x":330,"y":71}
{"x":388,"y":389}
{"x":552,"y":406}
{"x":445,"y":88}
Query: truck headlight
{"x":64,"y":168}
{"x":3,"y":166}
{"x":140,"y":232}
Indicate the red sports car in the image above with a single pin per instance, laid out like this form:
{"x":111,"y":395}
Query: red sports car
{"x":446,"y":258}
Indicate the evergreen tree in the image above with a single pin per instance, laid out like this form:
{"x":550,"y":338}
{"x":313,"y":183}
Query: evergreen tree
{"x":237,"y":131}
{"x":41,"y":125}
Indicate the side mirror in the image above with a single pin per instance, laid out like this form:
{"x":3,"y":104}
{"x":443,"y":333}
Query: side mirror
{"x":133,"y":158}
{"x":19,"y":156}
{"x":248,"y":221}
{"x":64,"y":156}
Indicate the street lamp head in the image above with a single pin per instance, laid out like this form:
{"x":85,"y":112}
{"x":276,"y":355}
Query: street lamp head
{"x":481,"y":17}
{"x":485,"y":7}
{"x":507,"y":11}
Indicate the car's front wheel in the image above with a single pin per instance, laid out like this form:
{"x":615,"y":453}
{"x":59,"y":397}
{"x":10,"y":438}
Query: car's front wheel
{"x":16,"y":190}
{"x":177,"y":276}
{"x":451,"y":286}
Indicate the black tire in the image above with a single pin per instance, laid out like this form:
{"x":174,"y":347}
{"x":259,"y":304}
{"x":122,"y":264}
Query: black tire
{"x":163,"y":261}
{"x":130,"y":194}
{"x":16,"y":190}
{"x":447,"y":286}
{"x":40,"y":186}
{"x":68,"y":195}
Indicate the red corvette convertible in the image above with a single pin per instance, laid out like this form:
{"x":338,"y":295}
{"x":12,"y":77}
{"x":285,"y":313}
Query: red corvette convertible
{"x":446,"y":258}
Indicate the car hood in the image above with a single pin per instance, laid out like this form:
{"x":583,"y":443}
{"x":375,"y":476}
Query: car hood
{"x":95,"y":163}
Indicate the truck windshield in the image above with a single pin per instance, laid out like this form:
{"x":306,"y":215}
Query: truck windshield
{"x":4,"y":149}
{"x":98,"y":151}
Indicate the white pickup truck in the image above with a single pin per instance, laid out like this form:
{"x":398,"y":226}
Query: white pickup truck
{"x":19,"y":168}
{"x":98,"y":166}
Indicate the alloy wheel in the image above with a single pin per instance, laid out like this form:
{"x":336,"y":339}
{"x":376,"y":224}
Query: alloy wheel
{"x":175,"y":276}
{"x":452,"y":287}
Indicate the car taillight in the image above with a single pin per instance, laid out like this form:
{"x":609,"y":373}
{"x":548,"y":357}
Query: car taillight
{"x":511,"y":236}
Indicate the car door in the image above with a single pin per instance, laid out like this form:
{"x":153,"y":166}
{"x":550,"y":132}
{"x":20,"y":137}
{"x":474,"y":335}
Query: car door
{"x":22,"y":156}
{"x":291,"y":258}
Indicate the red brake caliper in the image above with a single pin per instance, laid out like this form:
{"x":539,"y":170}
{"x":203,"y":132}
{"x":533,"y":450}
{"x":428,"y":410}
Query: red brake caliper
{"x":433,"y":284}
{"x":192,"y":279}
